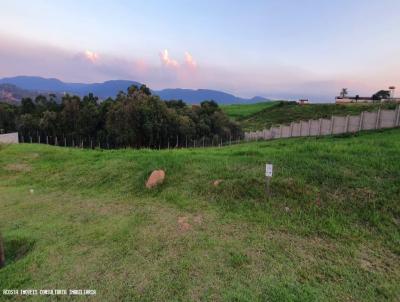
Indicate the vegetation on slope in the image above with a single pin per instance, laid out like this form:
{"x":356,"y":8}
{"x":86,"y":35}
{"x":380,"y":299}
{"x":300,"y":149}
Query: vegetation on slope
{"x":241,"y":111}
{"x":76,"y":218}
{"x":286,"y":112}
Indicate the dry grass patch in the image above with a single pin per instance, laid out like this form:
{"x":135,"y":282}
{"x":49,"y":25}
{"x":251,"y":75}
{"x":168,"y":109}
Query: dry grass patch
{"x":20,"y":167}
{"x":378,"y":260}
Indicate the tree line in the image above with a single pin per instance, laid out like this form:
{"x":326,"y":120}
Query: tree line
{"x":135,"y":118}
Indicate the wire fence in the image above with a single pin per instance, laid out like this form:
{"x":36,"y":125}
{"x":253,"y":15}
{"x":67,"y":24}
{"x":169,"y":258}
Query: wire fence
{"x":88,"y":142}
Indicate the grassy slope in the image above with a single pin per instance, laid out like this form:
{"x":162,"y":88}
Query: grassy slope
{"x":284,"y":113}
{"x":91,"y":224}
{"x":241,"y":111}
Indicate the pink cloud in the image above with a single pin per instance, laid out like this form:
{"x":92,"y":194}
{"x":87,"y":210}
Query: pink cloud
{"x":91,"y":56}
{"x":166,"y":60}
{"x":19,"y":57}
{"x":189,"y":61}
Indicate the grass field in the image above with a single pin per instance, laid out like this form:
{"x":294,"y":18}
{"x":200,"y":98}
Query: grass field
{"x":258,"y":118}
{"x":241,"y":111}
{"x":329,"y":232}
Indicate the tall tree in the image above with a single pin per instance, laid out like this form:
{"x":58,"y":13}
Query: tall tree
{"x":381,"y":94}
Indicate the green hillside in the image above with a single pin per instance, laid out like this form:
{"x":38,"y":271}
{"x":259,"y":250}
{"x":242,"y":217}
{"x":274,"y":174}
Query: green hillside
{"x":83,"y":219}
{"x":282,"y":112}
{"x":241,"y":111}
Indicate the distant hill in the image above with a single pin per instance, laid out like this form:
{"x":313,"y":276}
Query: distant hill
{"x":111,"y":88}
{"x":102,"y":90}
{"x":12,"y":94}
{"x":199,"y":95}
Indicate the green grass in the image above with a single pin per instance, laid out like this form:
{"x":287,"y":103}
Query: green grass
{"x":287,"y":112}
{"x":241,"y":111}
{"x":329,"y":232}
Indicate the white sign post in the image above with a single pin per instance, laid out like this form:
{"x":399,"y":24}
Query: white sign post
{"x":268,"y":175}
{"x":268,"y":170}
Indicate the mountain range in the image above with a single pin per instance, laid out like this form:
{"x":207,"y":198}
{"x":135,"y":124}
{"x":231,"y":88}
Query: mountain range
{"x":111,"y":88}
{"x":12,"y":94}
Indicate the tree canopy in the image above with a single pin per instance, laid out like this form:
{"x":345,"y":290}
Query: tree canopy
{"x":135,"y":118}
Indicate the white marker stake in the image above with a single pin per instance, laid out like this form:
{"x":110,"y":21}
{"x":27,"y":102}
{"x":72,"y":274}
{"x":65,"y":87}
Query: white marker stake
{"x":268,"y":170}
{"x":268,"y":176}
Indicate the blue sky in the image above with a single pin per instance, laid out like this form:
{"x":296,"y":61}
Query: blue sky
{"x":285,"y":48}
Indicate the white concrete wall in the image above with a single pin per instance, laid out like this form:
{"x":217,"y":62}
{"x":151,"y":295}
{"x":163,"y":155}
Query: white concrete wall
{"x":9,"y":138}
{"x":334,"y":125}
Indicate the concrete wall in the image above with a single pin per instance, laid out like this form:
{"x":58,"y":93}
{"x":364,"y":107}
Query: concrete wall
{"x":347,"y":100}
{"x":335,"y":125}
{"x":9,"y":138}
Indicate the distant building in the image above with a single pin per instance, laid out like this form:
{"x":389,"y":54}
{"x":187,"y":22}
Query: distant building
{"x":379,"y":97}
{"x":303,"y":101}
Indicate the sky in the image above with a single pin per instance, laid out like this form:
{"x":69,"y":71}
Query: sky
{"x":271,"y":48}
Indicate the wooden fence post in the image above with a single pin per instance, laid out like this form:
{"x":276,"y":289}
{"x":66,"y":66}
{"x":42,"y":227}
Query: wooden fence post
{"x":309,"y":127}
{"x":320,"y":127}
{"x":332,"y":123}
{"x":346,"y":129}
{"x":378,"y":118}
{"x":396,"y":122}
{"x":291,"y":129}
{"x":360,"y":126}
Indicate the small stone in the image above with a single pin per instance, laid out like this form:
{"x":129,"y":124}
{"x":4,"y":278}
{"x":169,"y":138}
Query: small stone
{"x":156,"y":178}
{"x":287,"y":209}
{"x":217,"y":182}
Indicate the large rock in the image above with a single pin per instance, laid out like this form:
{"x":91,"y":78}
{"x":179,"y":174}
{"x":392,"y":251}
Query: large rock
{"x":156,"y":178}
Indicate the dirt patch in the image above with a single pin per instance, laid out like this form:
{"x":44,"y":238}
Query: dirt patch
{"x":18,"y":167}
{"x":186,"y":223}
{"x":376,"y":259}
{"x":183,"y":223}
{"x":198,"y":219}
